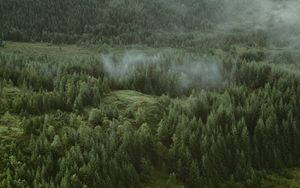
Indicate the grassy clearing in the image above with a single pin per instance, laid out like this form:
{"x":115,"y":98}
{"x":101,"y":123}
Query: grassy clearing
{"x":45,"y":49}
{"x":10,"y":132}
{"x":143,"y":108}
{"x":163,"y":180}
{"x":9,"y":123}
{"x":9,"y":127}
{"x":12,"y":92}
{"x":290,"y":179}
{"x":61,"y":51}
{"x":124,"y":98}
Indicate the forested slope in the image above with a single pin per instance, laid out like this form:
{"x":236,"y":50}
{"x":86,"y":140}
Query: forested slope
{"x":78,"y":131}
{"x":161,"y":93}
{"x":117,"y":21}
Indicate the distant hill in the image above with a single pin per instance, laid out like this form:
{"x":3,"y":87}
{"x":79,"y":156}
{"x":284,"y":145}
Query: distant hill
{"x":123,"y":21}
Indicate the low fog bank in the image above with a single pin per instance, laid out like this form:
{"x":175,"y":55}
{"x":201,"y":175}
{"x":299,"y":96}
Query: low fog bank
{"x":279,"y":19}
{"x":123,"y":67}
{"x":200,"y":73}
{"x":188,"y":72}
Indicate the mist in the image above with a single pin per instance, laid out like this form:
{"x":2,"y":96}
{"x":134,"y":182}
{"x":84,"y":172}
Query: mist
{"x":120,"y":68}
{"x":200,"y":73}
{"x":279,"y":19}
{"x":190,"y":72}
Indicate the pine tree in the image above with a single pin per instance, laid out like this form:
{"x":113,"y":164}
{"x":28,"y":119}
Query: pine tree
{"x":95,"y":117}
{"x":56,"y":145}
{"x":145,"y":174}
{"x":78,"y":103}
{"x":194,"y":176}
{"x":7,"y":182}
{"x":70,"y":91}
{"x":1,"y":41}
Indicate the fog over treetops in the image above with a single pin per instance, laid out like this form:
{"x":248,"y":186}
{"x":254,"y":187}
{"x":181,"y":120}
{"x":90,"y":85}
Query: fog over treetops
{"x":189,"y":72}
{"x":278,"y":19}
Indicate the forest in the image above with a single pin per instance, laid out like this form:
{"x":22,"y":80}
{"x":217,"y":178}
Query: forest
{"x":154,"y":94}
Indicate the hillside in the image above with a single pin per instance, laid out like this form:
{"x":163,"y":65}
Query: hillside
{"x":46,"y":112}
{"x":155,"y":94}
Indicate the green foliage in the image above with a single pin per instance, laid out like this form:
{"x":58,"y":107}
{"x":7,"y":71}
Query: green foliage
{"x":65,"y":122}
{"x":1,"y":42}
{"x":223,"y":111}
{"x":95,"y":117}
{"x":119,"y":21}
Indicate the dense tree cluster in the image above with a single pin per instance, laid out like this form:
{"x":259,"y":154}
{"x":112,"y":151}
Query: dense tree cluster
{"x":118,"y":21}
{"x":211,"y":137}
{"x":215,"y":109}
{"x":43,"y":87}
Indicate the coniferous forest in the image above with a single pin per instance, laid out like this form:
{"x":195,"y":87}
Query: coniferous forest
{"x":149,"y":93}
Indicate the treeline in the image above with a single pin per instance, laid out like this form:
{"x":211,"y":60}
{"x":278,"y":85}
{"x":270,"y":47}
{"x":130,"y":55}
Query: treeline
{"x":209,"y":138}
{"x":53,"y":77}
{"x":118,"y":21}
{"x":45,"y":85}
